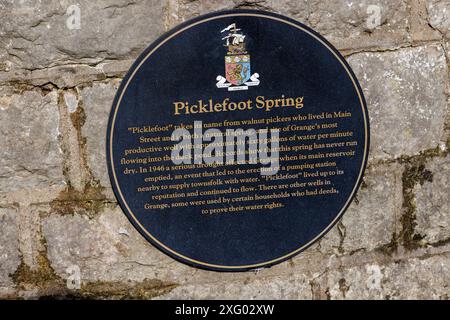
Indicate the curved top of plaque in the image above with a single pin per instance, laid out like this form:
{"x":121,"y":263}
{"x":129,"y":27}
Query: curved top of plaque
{"x":247,"y":73}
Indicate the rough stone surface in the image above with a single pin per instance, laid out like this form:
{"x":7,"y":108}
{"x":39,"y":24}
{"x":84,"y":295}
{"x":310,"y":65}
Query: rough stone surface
{"x":292,"y":287}
{"x":105,"y":248}
{"x":68,"y":76}
{"x":419,"y":26}
{"x":35,"y":34}
{"x":439,"y":16}
{"x":366,"y":225}
{"x":447,"y":52}
{"x":432,"y":202}
{"x":349,"y":25}
{"x":97,"y":102}
{"x":352,"y":24}
{"x":30,"y":157}
{"x":405,"y":93}
{"x":9,"y":247}
{"x":408,"y":279}
{"x":108,"y":248}
{"x":56,"y":89}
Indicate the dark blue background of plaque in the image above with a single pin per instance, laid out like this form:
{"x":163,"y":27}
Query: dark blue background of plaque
{"x":290,"y":62}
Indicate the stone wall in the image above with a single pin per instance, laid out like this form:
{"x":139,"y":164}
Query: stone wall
{"x":59,"y":216}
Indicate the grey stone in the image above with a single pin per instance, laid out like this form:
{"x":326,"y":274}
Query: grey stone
{"x":9,"y":247}
{"x":67,"y":76}
{"x":183,"y":10}
{"x":420,"y":28}
{"x":101,"y":248}
{"x":407,"y":279}
{"x":30,"y":157}
{"x":97,"y":102}
{"x":108,"y":248}
{"x":447,"y":54}
{"x":439,"y":16}
{"x":405,"y":93}
{"x":348,"y":25}
{"x":404,"y":75}
{"x":38,"y":34}
{"x":447,"y":50}
{"x":432,"y":202}
{"x":30,"y":241}
{"x":277,"y":287}
{"x":367,"y":225}
{"x":352,"y":25}
{"x":72,"y":142}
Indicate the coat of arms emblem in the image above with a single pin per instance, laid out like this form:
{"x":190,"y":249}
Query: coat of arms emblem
{"x":237,"y":62}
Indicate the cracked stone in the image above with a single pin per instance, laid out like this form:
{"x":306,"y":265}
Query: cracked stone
{"x":68,"y":76}
{"x":349,"y":26}
{"x":406,"y":96}
{"x":184,"y":9}
{"x":101,"y":249}
{"x":406,"y":93}
{"x":420,"y":28}
{"x":9,"y":248}
{"x":366,"y":225}
{"x":30,"y":157}
{"x":447,"y":53}
{"x":432,"y":202}
{"x":352,"y":25}
{"x":97,"y":103}
{"x":447,"y":50}
{"x":29,"y":235}
{"x":406,"y":279}
{"x":37,"y":34}
{"x":439,"y":16}
{"x":108,"y":248}
{"x":279,"y":287}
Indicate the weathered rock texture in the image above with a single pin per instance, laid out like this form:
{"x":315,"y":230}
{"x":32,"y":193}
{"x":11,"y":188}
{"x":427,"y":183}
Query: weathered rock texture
{"x":58,"y":214}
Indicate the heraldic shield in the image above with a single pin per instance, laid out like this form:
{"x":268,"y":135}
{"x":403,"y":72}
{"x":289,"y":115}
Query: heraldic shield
{"x":237,"y":69}
{"x":237,"y":62}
